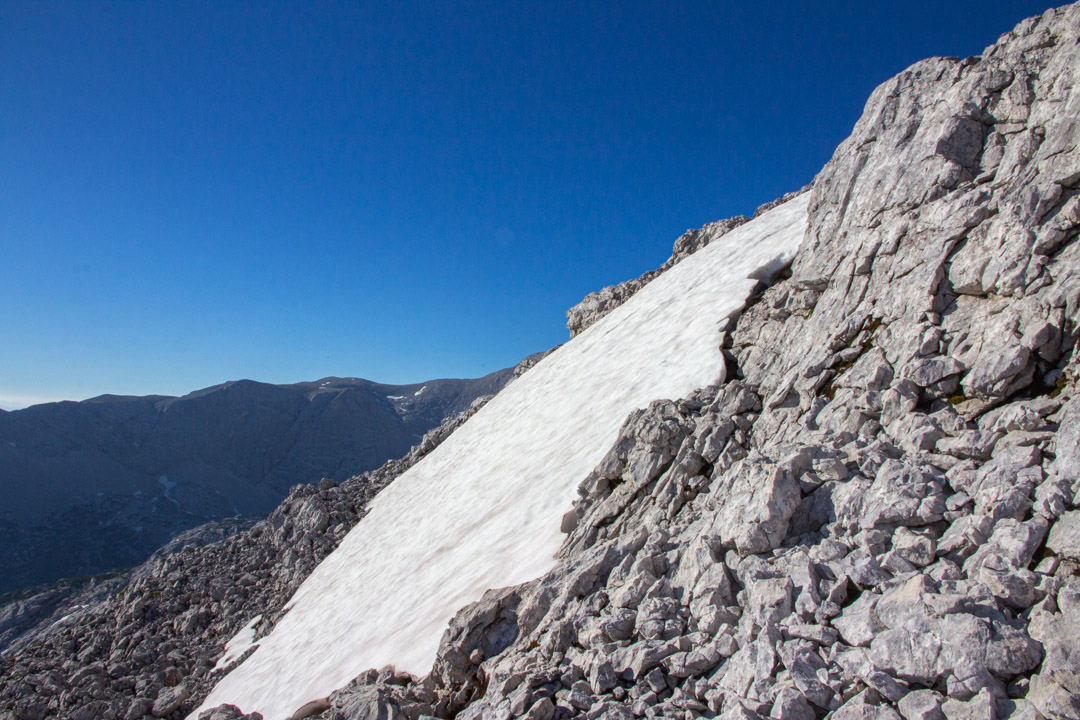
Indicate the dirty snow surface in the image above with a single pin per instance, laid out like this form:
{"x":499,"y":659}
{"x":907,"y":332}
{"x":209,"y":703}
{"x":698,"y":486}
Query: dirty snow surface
{"x":483,"y":510}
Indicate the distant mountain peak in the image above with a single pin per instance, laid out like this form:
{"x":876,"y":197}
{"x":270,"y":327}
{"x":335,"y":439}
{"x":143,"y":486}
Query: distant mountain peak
{"x":84,"y":475}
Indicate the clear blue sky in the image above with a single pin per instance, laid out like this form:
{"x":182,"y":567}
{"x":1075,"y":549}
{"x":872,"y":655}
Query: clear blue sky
{"x":194,"y":192}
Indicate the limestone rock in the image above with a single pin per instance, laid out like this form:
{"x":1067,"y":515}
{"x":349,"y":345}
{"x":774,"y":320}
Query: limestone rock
{"x":1055,"y":690}
{"x":169,"y":699}
{"x":1065,"y":537}
{"x":755,"y":500}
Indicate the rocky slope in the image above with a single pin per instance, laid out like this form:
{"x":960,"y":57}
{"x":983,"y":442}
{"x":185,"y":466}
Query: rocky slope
{"x":100,"y":484}
{"x":149,"y":642}
{"x":875,"y":516}
{"x":878,"y":518}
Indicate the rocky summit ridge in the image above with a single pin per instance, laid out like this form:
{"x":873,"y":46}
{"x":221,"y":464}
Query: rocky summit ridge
{"x":873,"y":517}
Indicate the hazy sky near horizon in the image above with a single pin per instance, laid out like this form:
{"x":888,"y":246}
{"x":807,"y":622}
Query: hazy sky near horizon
{"x":195,"y":192}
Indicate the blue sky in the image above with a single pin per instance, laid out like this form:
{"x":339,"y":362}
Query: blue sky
{"x":195,"y":192}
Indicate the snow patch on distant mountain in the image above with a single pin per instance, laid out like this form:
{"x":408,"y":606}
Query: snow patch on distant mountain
{"x":483,"y":510}
{"x":168,"y":485}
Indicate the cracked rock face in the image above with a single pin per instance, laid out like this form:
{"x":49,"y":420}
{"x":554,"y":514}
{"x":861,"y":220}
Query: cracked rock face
{"x":874,"y":517}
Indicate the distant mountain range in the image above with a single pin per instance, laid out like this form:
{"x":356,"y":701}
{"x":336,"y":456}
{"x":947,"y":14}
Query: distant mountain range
{"x":93,"y":485}
{"x":860,"y":499}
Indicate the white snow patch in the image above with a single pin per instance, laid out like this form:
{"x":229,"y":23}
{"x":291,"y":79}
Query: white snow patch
{"x":74,"y":611}
{"x":168,"y":485}
{"x":483,"y":509}
{"x":11,"y":444}
{"x":395,"y":397}
{"x":417,"y":393}
{"x":239,"y":644}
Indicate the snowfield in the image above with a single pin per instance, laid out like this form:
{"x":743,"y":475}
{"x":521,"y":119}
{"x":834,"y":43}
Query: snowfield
{"x":483,"y":509}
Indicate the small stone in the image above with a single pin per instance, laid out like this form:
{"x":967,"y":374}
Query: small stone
{"x":791,"y":705}
{"x":140,"y":706}
{"x":916,"y":548}
{"x":921,"y":705}
{"x":542,"y":709}
{"x":602,"y":676}
{"x":170,"y":699}
{"x":569,"y":522}
{"x":579,"y":699}
{"x":981,"y":707}
{"x":1064,"y":538}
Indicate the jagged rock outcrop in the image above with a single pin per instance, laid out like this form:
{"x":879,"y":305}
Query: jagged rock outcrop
{"x":877,"y":517}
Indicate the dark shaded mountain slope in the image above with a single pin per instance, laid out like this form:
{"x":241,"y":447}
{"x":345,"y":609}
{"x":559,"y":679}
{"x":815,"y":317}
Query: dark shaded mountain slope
{"x":93,"y":485}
